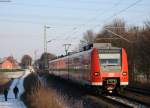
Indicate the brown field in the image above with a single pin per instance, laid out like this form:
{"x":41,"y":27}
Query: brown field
{"x":4,"y":82}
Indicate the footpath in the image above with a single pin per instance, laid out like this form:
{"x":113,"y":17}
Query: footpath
{"x":12,"y":102}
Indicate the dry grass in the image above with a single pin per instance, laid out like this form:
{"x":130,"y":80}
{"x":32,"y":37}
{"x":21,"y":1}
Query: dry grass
{"x":3,"y":79}
{"x":37,"y":96}
{"x":4,"y":82}
{"x":45,"y":98}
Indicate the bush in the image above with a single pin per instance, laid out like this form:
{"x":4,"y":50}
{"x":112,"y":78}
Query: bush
{"x":31,"y":83}
{"x":10,"y":70}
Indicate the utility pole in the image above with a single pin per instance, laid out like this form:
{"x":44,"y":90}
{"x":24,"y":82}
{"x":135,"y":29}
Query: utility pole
{"x":45,"y":47}
{"x":45,"y":38}
{"x":35,"y":55}
{"x":67,"y":47}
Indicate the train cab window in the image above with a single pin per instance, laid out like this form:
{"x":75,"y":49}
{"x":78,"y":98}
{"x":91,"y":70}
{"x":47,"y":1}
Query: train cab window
{"x":110,"y":61}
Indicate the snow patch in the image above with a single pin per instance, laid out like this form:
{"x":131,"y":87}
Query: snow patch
{"x":12,"y":102}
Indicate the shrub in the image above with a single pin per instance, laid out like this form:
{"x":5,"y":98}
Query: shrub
{"x":10,"y":70}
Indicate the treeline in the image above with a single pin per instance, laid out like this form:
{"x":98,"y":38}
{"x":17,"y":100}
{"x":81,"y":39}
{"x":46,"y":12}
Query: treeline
{"x":11,"y":70}
{"x":136,"y":41}
{"x":42,"y":62}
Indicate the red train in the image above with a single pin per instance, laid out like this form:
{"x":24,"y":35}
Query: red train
{"x":102,"y":67}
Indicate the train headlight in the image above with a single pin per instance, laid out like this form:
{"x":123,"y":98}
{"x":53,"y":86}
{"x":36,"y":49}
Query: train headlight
{"x":124,"y":73}
{"x":97,"y":73}
{"x":110,"y":91}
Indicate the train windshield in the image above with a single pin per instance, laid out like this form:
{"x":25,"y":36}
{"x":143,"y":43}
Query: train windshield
{"x":110,"y":61}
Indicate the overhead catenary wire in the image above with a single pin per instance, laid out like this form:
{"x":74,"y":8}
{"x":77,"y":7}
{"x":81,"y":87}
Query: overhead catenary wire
{"x":76,"y":29}
{"x":121,"y":11}
{"x":91,"y":19}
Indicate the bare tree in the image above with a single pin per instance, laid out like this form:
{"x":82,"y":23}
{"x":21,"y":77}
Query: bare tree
{"x":147,"y":25}
{"x":88,"y":38}
{"x":109,"y":31}
{"x":45,"y":58}
{"x":144,"y":53}
{"x":117,"y":26}
{"x":26,"y":61}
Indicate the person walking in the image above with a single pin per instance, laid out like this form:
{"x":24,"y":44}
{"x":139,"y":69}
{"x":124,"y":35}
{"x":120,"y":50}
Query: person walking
{"x":5,"y":93}
{"x":16,"y":90}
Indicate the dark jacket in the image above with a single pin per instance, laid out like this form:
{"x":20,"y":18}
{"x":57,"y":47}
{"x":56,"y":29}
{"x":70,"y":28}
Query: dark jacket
{"x":5,"y":92}
{"x":16,"y":90}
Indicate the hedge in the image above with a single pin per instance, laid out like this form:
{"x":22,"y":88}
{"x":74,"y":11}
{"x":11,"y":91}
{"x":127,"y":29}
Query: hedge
{"x":11,"y":70}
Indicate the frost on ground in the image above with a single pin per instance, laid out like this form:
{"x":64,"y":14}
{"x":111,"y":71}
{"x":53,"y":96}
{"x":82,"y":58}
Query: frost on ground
{"x":12,"y":102}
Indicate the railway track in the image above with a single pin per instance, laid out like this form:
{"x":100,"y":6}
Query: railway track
{"x":134,"y":98}
{"x":128,"y":101}
{"x":138,"y":90}
{"x":120,"y":101}
{"x":106,"y":102}
{"x":123,"y":101}
{"x":137,"y":95}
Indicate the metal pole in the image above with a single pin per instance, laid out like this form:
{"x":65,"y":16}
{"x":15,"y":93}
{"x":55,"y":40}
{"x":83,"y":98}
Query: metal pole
{"x":45,"y":47}
{"x":44,"y":38}
{"x":67,"y":48}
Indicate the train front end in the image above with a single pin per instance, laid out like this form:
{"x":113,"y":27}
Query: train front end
{"x":112,"y":68}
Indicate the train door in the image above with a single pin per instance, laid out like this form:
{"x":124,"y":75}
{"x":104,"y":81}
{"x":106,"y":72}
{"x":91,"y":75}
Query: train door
{"x":86,"y":67}
{"x":81,"y":67}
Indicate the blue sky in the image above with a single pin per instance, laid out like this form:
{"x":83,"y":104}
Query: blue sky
{"x":22,"y":22}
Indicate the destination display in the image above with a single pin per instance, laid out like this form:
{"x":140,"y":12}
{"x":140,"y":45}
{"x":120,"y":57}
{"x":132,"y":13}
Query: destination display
{"x":109,"y":50}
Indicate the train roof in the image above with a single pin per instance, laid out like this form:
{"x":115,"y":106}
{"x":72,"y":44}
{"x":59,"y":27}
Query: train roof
{"x":74,"y":54}
{"x":98,"y":46}
{"x":113,"y":49}
{"x":104,"y":46}
{"x":110,"y":48}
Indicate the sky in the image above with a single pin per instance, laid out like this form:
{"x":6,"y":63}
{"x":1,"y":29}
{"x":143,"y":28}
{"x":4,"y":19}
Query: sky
{"x":22,"y":22}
